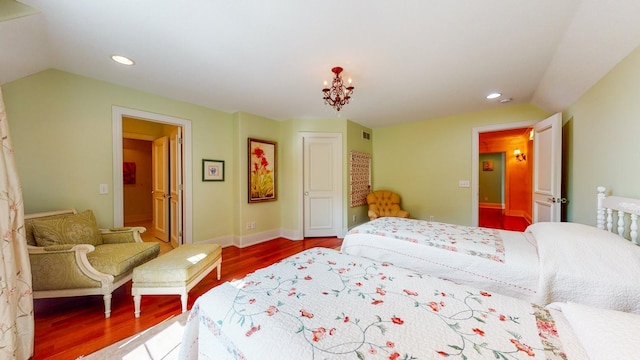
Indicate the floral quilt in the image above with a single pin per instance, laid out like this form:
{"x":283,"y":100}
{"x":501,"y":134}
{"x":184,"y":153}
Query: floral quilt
{"x":323,"y":304}
{"x":482,"y":242}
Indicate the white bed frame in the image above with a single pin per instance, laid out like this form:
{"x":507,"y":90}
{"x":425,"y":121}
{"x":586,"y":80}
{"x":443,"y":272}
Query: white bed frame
{"x":610,"y":207}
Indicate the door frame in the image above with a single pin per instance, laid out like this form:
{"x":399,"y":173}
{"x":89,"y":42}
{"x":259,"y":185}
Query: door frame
{"x":118,"y":188}
{"x":339,"y":207}
{"x":475,"y":159}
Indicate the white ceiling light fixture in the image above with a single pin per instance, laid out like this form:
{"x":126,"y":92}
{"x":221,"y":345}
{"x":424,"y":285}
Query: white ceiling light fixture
{"x":494,"y":95}
{"x":122,"y":60}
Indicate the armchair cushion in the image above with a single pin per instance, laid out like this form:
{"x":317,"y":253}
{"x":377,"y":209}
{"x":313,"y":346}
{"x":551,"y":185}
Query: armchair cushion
{"x":70,"y":229}
{"x":384,"y":203}
{"x":118,"y":259}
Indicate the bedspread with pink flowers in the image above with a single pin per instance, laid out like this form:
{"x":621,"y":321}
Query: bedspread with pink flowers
{"x":476,"y":241}
{"x":323,"y":304}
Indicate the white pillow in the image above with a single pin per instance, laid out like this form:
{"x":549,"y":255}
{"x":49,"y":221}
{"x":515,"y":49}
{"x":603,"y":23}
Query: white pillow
{"x":604,"y":334}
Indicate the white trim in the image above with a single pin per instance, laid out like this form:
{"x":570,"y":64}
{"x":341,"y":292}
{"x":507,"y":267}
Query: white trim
{"x":475,"y":158}
{"x":118,"y":202}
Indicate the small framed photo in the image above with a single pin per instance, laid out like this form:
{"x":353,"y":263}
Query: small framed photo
{"x":212,"y":170}
{"x":487,"y":165}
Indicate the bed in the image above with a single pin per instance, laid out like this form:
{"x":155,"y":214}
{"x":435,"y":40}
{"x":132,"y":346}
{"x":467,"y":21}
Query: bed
{"x":548,"y":262}
{"x":323,"y":304}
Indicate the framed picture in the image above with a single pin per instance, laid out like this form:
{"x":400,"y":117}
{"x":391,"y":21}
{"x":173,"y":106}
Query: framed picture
{"x":212,"y":170}
{"x":262,"y":170}
{"x":487,"y":166}
{"x":129,"y":173}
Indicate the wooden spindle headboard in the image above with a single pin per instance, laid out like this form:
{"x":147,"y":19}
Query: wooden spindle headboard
{"x":623,"y":210}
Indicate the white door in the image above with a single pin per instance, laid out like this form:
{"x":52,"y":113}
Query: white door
{"x":322,"y":185}
{"x":176,"y":185}
{"x":547,"y":169}
{"x":160,"y":187}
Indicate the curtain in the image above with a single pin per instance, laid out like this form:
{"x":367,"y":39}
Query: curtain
{"x":16,"y":299}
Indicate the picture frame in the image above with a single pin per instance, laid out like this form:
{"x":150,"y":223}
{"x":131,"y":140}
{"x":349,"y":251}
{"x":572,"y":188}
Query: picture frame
{"x":262,"y":170}
{"x":128,"y":173}
{"x":212,"y":170}
{"x":487,"y":165}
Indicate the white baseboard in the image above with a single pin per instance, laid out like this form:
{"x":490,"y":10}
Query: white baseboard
{"x":257,"y":238}
{"x":491,"y":206}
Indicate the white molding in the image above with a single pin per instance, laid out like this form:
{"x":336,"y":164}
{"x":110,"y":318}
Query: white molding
{"x":292,"y":234}
{"x":257,"y":238}
{"x":118,"y":203}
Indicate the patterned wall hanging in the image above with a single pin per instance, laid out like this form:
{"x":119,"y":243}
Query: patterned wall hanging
{"x":360,"y":177}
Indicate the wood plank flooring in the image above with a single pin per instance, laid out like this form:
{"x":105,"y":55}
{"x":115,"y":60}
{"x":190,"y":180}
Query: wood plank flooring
{"x":495,"y":219}
{"x":71,"y":327}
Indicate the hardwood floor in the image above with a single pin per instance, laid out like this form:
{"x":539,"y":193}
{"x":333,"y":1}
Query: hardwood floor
{"x":70,"y":327}
{"x":495,"y":219}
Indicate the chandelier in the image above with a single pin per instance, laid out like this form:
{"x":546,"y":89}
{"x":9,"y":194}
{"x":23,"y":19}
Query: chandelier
{"x":337,"y":95}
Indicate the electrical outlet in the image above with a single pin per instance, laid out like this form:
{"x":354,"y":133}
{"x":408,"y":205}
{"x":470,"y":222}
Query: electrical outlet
{"x":355,"y":218}
{"x":253,"y":225}
{"x":248,"y":226}
{"x":431,"y":218}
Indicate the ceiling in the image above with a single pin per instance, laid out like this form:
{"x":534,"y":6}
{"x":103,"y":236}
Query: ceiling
{"x":409,"y":60}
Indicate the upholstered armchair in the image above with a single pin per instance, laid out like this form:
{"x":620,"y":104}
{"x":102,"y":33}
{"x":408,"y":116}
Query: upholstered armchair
{"x":71,"y":256}
{"x":385,"y":203}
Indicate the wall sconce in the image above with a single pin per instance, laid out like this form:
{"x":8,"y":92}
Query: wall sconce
{"x":520,"y":156}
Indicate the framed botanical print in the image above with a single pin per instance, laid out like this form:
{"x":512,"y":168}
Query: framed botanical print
{"x":262,"y":172}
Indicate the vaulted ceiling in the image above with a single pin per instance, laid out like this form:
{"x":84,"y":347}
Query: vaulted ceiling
{"x":409,"y":60}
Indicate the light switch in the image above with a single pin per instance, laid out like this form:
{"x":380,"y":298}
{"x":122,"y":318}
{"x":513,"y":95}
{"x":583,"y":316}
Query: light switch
{"x":463,"y":183}
{"x":104,"y":189}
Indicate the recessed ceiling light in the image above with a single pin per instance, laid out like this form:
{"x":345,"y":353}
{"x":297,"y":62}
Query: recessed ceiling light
{"x":122,"y":60}
{"x":494,"y":95}
{"x":505,"y":100}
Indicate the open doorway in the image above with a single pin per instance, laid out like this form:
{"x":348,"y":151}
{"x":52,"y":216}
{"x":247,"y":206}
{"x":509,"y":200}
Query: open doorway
{"x":497,"y":139}
{"x":505,"y":175}
{"x":150,"y":127}
{"x":150,"y":176}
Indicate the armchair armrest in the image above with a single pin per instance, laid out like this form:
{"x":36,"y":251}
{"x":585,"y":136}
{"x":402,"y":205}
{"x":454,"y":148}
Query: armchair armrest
{"x":122,"y":235}
{"x":58,"y":267}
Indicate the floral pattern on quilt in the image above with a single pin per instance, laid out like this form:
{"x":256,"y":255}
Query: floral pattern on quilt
{"x":476,"y":241}
{"x":322,"y":304}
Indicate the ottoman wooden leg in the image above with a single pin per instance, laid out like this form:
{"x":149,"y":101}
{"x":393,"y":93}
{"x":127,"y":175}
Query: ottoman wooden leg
{"x":183,"y":299}
{"x":136,"y":305}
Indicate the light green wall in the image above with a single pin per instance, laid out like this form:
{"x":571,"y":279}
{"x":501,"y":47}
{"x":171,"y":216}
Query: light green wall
{"x":423,"y":161}
{"x":61,"y":128}
{"x":266,"y":215}
{"x":603,"y":143}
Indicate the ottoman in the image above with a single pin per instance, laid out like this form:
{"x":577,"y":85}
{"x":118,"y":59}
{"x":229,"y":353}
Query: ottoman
{"x":175,"y":273}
